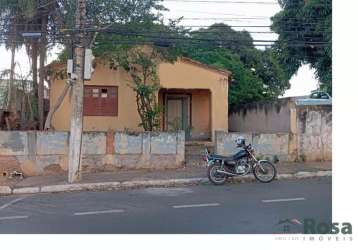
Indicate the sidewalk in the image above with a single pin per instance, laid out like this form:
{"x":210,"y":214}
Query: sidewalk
{"x":143,"y":178}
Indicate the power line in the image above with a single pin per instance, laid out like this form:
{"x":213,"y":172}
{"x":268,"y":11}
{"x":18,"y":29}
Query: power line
{"x":126,"y":33}
{"x":324,"y":3}
{"x":197,"y":43}
{"x":193,"y":42}
{"x":156,"y":38}
{"x":216,"y":13}
{"x":239,"y":19}
{"x":106,"y":24}
{"x":291,"y":22}
{"x":204,"y":1}
{"x":243,"y":16}
{"x":67,"y":32}
{"x":223,"y":1}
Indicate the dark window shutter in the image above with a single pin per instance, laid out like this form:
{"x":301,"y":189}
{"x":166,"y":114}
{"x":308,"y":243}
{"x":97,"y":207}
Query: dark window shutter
{"x":100,"y":101}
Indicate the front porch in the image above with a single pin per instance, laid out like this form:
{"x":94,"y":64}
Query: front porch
{"x":189,"y":110}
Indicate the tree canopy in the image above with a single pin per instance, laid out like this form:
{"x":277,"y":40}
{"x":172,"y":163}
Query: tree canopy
{"x":305,"y":36}
{"x":61,"y":17}
{"x":257,"y":74}
{"x":124,"y":47}
{"x":114,"y":27}
{"x":54,"y":20}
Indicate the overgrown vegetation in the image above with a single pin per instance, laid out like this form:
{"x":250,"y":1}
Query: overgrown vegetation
{"x":256,"y":74}
{"x":141,"y":64}
{"x":140,"y":61}
{"x":305,"y":36}
{"x":19,"y":95}
{"x":54,"y":20}
{"x":120,"y":28}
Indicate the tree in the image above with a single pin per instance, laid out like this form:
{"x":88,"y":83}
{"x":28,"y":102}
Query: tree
{"x":107,"y":20}
{"x":265,"y":64}
{"x":55,"y":20}
{"x":305,"y":36}
{"x":29,"y":16}
{"x":102,"y":15}
{"x":223,"y":36}
{"x":257,"y":74}
{"x":245,"y":86}
{"x":141,"y":64}
{"x":9,"y":22}
{"x":126,"y":50}
{"x":21,"y":88}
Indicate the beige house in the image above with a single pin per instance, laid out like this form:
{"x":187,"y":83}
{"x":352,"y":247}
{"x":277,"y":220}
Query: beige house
{"x":194,"y":98}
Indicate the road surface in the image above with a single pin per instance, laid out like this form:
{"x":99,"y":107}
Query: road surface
{"x":233,"y":208}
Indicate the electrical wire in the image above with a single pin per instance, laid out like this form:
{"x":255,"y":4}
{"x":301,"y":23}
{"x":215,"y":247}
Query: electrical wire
{"x":223,"y":1}
{"x":323,"y":3}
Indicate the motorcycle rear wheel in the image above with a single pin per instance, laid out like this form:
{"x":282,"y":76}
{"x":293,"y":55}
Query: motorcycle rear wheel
{"x":215,"y":177}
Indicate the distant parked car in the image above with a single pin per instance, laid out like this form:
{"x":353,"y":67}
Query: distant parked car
{"x":316,"y":98}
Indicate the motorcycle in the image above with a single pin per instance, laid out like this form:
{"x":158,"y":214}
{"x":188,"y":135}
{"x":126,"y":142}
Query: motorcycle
{"x":244,"y":162}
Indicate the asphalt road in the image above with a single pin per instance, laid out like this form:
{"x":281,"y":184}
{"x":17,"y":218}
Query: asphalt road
{"x":233,"y":208}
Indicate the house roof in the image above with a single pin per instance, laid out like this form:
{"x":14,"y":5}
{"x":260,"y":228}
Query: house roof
{"x":206,"y":66}
{"x":54,"y":64}
{"x":184,"y":59}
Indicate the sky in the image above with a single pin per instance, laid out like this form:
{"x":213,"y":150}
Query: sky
{"x":204,"y":14}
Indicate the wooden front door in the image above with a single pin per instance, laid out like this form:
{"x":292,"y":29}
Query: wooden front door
{"x":177,"y":111}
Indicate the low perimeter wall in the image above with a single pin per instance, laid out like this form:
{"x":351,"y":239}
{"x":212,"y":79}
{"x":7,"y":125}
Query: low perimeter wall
{"x":309,"y":137}
{"x":42,"y":153}
{"x":309,"y":143}
{"x":266,"y":145}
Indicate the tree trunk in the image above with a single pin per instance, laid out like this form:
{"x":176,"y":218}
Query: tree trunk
{"x":56,"y":106}
{"x":32,"y":117}
{"x":74,"y":165}
{"x":12,"y":90}
{"x":11,"y":95}
{"x":34,"y":55}
{"x":44,"y":20}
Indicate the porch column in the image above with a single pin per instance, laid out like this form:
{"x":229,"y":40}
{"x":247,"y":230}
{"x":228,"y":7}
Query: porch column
{"x":219,"y":112}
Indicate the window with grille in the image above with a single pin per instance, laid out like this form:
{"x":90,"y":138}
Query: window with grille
{"x":100,"y":101}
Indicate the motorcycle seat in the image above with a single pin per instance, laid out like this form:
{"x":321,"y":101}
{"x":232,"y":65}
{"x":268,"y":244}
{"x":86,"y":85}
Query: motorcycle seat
{"x":221,"y":157}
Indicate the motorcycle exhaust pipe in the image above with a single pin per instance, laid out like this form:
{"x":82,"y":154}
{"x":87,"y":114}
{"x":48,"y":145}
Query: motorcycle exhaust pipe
{"x":224,"y":172}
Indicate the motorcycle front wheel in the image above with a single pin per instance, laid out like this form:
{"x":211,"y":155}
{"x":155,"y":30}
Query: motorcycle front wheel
{"x":215,"y":177}
{"x":265,"y":171}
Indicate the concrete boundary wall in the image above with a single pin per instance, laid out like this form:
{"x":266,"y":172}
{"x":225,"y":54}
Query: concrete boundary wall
{"x":266,"y":145}
{"x":273,"y":117}
{"x":282,"y":146}
{"x":45,"y":153}
{"x":314,"y":132}
{"x":309,"y":139}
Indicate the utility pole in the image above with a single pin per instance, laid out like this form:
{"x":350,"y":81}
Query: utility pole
{"x":74,"y":164}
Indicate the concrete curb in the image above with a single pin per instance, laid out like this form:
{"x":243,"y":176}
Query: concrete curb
{"x":106,"y":186}
{"x":5,"y":190}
